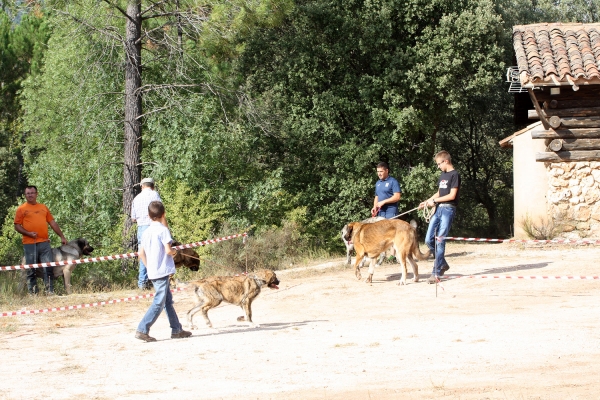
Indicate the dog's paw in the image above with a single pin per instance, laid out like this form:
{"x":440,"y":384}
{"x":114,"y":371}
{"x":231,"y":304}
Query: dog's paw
{"x":242,"y":318}
{"x":192,"y":327}
{"x":401,"y":283}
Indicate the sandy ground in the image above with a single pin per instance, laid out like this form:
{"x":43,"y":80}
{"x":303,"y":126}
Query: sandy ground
{"x":325,"y":335}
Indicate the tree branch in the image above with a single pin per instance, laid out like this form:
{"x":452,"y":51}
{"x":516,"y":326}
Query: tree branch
{"x":106,"y":32}
{"x":119,"y":9}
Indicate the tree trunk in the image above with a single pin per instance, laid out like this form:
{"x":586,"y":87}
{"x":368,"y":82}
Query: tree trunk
{"x":133,"y":123}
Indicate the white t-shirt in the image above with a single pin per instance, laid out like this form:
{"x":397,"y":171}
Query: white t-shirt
{"x":158,"y":262}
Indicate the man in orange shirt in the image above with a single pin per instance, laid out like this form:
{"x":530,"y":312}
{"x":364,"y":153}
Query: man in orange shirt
{"x":31,"y":221}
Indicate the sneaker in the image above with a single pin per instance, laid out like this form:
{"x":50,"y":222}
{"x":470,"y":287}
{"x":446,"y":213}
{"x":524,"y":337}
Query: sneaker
{"x":432,"y":279}
{"x":144,"y":336}
{"x":181,"y":335}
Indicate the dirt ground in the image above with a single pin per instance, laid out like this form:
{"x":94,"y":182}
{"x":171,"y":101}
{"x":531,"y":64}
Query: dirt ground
{"x":325,"y":335}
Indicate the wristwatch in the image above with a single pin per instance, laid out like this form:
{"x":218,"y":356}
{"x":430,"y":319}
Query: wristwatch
{"x":434,"y":202}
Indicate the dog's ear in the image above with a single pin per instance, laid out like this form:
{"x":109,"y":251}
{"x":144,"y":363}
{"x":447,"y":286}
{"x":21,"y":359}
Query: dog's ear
{"x":350,"y":228}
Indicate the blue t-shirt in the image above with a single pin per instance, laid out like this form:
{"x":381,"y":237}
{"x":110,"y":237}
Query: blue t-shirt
{"x":384,"y":189}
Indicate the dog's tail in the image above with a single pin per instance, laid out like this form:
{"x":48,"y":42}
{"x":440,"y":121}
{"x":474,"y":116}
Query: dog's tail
{"x":415,"y":250}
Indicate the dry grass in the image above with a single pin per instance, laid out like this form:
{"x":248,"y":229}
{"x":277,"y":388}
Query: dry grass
{"x":340,"y":345}
{"x":540,"y":229}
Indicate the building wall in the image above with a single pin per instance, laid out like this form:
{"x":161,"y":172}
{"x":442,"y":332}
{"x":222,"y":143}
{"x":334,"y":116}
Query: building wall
{"x":573,"y":194}
{"x":530,"y":180}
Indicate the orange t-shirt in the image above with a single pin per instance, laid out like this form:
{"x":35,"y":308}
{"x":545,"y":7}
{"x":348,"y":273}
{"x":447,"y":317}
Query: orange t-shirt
{"x":34,"y":218}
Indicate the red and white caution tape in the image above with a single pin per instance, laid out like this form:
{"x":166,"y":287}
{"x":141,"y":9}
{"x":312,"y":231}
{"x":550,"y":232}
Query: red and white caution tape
{"x":80,"y":306}
{"x":568,"y":241}
{"x":539,"y":277}
{"x":118,"y":256}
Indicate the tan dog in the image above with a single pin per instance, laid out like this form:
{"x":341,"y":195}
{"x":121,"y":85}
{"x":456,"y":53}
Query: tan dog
{"x":350,"y":246}
{"x":370,"y":240}
{"x":240,"y":290}
{"x":73,"y":250}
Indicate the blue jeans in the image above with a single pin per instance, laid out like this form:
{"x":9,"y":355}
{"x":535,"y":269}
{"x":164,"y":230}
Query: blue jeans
{"x":439,"y":226}
{"x":143,"y":274}
{"x":39,"y":253}
{"x":162,"y":299}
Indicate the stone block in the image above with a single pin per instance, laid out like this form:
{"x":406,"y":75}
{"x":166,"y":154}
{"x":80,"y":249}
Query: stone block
{"x":583,"y":226}
{"x":567,"y":227}
{"x":592,"y":196}
{"x":588,"y":181}
{"x":567,"y":167}
{"x":583,"y":214}
{"x":557,"y":182}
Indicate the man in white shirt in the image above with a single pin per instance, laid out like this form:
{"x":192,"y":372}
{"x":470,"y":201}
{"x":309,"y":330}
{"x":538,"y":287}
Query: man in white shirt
{"x":139,"y":215}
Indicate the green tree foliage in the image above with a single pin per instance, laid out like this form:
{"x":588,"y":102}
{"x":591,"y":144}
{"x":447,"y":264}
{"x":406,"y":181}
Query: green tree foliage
{"x":72,"y":151}
{"x":22,"y":47}
{"x":347,"y":84}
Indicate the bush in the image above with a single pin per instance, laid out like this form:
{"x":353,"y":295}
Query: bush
{"x":543,"y":229}
{"x":270,"y":248}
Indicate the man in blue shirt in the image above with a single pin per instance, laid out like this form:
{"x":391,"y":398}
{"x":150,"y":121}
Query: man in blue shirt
{"x":387,"y":193}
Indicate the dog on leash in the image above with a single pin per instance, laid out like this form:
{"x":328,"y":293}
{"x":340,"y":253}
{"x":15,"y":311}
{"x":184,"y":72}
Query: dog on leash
{"x":240,"y":290}
{"x":348,"y":243}
{"x":73,"y":250}
{"x":371,"y":240}
{"x":186,"y":258}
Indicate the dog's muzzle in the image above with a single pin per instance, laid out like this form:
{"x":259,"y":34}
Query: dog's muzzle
{"x":273,"y":285}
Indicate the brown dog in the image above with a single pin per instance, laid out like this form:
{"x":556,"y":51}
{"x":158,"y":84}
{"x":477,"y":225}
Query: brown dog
{"x":370,"y":240}
{"x":240,"y":290}
{"x":186,"y":258}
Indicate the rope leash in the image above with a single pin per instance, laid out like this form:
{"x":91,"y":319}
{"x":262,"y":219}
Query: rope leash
{"x":426,"y":214}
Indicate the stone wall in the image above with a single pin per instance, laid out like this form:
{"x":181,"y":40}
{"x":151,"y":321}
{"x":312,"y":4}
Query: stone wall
{"x":573,"y":194}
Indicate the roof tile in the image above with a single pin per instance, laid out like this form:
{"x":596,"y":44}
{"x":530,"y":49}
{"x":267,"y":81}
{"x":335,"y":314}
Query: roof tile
{"x":557,"y":49}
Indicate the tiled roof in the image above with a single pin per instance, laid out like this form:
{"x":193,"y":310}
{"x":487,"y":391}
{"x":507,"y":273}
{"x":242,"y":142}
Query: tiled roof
{"x":548,"y":53}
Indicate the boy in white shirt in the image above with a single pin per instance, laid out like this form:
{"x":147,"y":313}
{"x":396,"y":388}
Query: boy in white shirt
{"x":156,"y":253}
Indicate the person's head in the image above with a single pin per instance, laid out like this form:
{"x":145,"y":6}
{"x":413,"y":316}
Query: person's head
{"x":31,"y":194}
{"x":156,"y":210}
{"x":147,"y":182}
{"x":443,"y":161}
{"x":383,"y":170}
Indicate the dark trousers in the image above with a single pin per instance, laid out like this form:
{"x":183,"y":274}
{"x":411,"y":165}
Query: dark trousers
{"x":34,"y":254}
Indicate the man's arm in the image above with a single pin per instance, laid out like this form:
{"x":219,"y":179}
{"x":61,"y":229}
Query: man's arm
{"x":429,"y":202}
{"x":56,"y":229}
{"x":449,"y":197}
{"x":394,"y":199}
{"x":19,"y":228}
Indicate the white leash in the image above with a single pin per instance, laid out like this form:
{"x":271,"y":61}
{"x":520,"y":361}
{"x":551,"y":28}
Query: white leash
{"x":427,"y":213}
